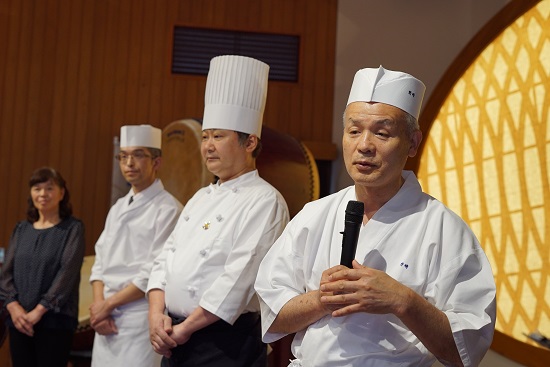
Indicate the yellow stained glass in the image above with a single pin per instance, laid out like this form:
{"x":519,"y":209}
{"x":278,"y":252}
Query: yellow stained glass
{"x":487,"y":156}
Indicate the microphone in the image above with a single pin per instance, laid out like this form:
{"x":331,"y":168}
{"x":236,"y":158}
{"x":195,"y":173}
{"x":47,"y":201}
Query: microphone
{"x":354,"y":218}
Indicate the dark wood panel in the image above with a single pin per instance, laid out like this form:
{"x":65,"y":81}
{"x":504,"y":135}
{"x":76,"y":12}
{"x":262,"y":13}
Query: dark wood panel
{"x":19,"y":165}
{"x":97,"y":138}
{"x":68,"y":51}
{"x":528,"y":354}
{"x":75,"y":71}
{"x":8,"y":37}
{"x":61,"y":75}
{"x":80,"y":66}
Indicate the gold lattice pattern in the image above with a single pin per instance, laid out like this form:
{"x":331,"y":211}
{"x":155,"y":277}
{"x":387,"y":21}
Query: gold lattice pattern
{"x":487,"y":156}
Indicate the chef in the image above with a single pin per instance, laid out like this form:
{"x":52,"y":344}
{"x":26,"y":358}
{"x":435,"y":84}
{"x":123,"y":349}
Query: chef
{"x":137,"y":226}
{"x":205,"y":274}
{"x":420,"y":287}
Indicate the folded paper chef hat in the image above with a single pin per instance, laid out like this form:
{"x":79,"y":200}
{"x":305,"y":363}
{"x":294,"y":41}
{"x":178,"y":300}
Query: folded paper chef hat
{"x":236,"y":90}
{"x":140,"y":136}
{"x":395,"y":88}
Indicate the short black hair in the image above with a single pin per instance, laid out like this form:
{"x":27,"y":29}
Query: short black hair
{"x":155,"y":152}
{"x":243,"y":137}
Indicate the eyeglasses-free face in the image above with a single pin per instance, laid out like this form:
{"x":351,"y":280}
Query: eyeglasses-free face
{"x":46,"y":196}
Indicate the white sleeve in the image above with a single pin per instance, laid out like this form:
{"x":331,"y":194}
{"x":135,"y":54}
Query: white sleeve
{"x":465,"y":291}
{"x":97,"y":268}
{"x":262,"y":224}
{"x":157,"y":277}
{"x":281,"y":277}
{"x":164,"y":224}
{"x":471,"y":309}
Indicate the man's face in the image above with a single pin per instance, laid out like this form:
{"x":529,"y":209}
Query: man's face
{"x":223,"y":155}
{"x":138,"y":166}
{"x":376,"y":144}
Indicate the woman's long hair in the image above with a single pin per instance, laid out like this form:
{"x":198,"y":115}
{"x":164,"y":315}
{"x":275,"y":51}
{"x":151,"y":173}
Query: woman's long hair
{"x":46,"y":174}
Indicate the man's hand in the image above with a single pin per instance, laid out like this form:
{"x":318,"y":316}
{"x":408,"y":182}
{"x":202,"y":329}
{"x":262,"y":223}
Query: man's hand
{"x":105,"y":327}
{"x":161,"y":333}
{"x":99,"y":310}
{"x":305,"y":309}
{"x":363,"y":289}
{"x":181,"y":333}
{"x":327,"y":291}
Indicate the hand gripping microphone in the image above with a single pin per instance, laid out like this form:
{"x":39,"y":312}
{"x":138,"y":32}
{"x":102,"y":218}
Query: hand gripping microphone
{"x":354,"y":218}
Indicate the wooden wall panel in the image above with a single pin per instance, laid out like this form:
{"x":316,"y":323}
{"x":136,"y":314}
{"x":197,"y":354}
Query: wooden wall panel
{"x":75,"y":71}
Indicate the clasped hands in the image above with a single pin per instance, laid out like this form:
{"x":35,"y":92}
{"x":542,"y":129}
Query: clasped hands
{"x":23,"y":321}
{"x":344,"y":291}
{"x":100,"y":318}
{"x":163,"y":335}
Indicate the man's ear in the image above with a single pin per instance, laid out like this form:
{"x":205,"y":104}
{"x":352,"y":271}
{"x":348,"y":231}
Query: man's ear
{"x":251,"y":143}
{"x":157,"y":162}
{"x":416,"y":139}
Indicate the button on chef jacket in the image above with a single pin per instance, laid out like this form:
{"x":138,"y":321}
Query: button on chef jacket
{"x":212,"y":257}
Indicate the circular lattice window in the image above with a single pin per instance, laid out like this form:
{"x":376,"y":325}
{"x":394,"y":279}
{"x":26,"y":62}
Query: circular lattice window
{"x":487,"y":156}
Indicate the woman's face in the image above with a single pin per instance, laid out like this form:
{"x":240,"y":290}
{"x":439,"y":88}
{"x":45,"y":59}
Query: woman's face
{"x":46,"y":196}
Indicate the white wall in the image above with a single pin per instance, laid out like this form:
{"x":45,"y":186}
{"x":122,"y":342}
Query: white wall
{"x":421,"y":37}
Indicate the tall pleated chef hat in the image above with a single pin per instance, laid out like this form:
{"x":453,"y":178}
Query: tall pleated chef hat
{"x":140,"y":136}
{"x":395,"y":88}
{"x":236,"y":90}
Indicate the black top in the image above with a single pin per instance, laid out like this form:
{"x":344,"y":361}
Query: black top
{"x":43,"y":266}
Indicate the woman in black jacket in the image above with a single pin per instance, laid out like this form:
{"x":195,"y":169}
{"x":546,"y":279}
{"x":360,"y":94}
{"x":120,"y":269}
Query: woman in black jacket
{"x":40,"y":279}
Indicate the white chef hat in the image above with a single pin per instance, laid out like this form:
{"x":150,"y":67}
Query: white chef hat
{"x":395,"y":88}
{"x":236,"y":90}
{"x":140,"y":136}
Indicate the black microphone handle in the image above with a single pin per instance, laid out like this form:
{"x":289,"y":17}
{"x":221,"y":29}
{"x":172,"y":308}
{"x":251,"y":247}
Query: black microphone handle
{"x":349,"y":242}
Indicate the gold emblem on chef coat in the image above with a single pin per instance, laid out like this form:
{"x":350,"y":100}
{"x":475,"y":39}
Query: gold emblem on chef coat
{"x":206,"y":225}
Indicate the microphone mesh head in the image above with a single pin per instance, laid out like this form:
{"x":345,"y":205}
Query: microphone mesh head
{"x":354,"y":211}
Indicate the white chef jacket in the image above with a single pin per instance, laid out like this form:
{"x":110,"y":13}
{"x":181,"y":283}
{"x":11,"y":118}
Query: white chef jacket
{"x":133,"y":236}
{"x":413,"y":238}
{"x":212,"y":256}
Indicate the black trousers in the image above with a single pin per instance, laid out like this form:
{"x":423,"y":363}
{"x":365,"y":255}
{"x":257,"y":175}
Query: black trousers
{"x":47,"y":348}
{"x":222,"y":345}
